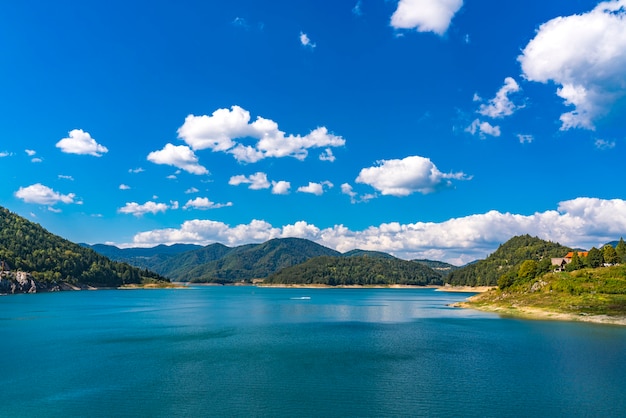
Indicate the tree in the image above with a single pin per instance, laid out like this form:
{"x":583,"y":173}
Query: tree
{"x":620,"y":249}
{"x":610,"y":254}
{"x":594,"y":258}
{"x":528,"y":270}
{"x":575,"y":264}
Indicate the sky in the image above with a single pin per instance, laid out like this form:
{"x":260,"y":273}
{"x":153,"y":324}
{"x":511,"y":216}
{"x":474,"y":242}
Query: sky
{"x":433,"y":129}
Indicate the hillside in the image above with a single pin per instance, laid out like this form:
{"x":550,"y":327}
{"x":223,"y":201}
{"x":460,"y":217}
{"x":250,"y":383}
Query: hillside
{"x":356,"y":270}
{"x":588,"y":294}
{"x":52,"y":261}
{"x":439,"y":266}
{"x":507,"y":260}
{"x":243,"y":263}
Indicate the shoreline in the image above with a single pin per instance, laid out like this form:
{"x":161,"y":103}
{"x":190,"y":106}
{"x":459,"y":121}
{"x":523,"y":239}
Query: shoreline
{"x":539,"y":314}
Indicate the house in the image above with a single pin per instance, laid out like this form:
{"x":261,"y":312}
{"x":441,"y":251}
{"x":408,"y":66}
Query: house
{"x":561,"y":262}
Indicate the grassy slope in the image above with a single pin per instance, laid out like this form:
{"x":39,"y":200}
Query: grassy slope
{"x":586,"y":292}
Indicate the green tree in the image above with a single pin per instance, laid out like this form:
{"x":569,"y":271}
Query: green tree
{"x":528,"y":270}
{"x":610,"y":254}
{"x":594,"y":258}
{"x":575,"y":264}
{"x":621,"y":250}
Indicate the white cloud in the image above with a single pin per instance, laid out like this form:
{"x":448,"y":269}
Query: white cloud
{"x":315,"y":188}
{"x":327,"y":155}
{"x":5,"y":154}
{"x":136,"y":170}
{"x":347,"y":190}
{"x":257,"y":181}
{"x":133,"y":208}
{"x":191,"y":190}
{"x":179,"y":156}
{"x":409,"y":175}
{"x":525,"y":139}
{"x":124,"y":187}
{"x":482,"y":128}
{"x":586,"y":55}
{"x":204,"y":203}
{"x":61,"y":176}
{"x":219,"y":131}
{"x":30,"y":152}
{"x":43,"y":195}
{"x":280,"y":187}
{"x":604,"y":144}
{"x":425,"y":15}
{"x":36,"y":160}
{"x":81,"y":142}
{"x":581,"y":222}
{"x":305,"y":41}
{"x":501,"y":105}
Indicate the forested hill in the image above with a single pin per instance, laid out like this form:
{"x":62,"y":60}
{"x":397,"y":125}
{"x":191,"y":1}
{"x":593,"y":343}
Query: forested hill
{"x":356,"y":270}
{"x":51,"y":260}
{"x":506,"y":260}
{"x":218,"y":263}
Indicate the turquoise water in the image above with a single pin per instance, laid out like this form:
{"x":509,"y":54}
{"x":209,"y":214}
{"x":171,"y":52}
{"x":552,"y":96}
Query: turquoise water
{"x":247,"y":351}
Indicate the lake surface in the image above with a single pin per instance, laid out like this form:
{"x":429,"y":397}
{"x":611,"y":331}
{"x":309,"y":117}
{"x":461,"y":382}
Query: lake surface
{"x":248,"y":351}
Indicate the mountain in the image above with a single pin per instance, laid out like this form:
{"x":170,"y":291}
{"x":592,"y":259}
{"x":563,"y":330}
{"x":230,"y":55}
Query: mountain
{"x":356,"y":270}
{"x":218,"y":263}
{"x":506,"y":260}
{"x":142,"y":257}
{"x":221,"y":264}
{"x":367,"y":253}
{"x":46,"y":261}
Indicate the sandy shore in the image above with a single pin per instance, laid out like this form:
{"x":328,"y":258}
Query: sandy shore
{"x":324,"y":286}
{"x":465,"y":289}
{"x":527,"y":312}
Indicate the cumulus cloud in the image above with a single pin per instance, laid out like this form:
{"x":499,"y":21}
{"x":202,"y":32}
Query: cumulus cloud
{"x":409,"y":175}
{"x":315,"y":188}
{"x":425,"y":15}
{"x":280,"y":187}
{"x":133,"y":208}
{"x":43,"y":195}
{"x":191,"y":190}
{"x":30,"y":152}
{"x":81,"y":142}
{"x":220,"y":131}
{"x":257,"y":181}
{"x":586,"y":56}
{"x":136,"y":170}
{"x":124,"y":187}
{"x":204,"y":203}
{"x":305,"y":41}
{"x":5,"y":154}
{"x":482,"y":129}
{"x":179,"y":156}
{"x":501,"y":105}
{"x":582,"y":222}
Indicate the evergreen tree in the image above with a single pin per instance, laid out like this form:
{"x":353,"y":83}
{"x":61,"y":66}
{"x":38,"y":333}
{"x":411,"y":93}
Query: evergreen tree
{"x":621,"y":250}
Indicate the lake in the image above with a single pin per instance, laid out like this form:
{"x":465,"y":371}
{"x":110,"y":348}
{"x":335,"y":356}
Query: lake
{"x":250,"y":351}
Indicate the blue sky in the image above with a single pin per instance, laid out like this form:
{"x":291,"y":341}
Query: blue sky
{"x":424,"y":128}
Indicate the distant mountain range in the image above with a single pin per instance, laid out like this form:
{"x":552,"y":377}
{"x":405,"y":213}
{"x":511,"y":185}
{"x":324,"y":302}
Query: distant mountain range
{"x":217,"y":263}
